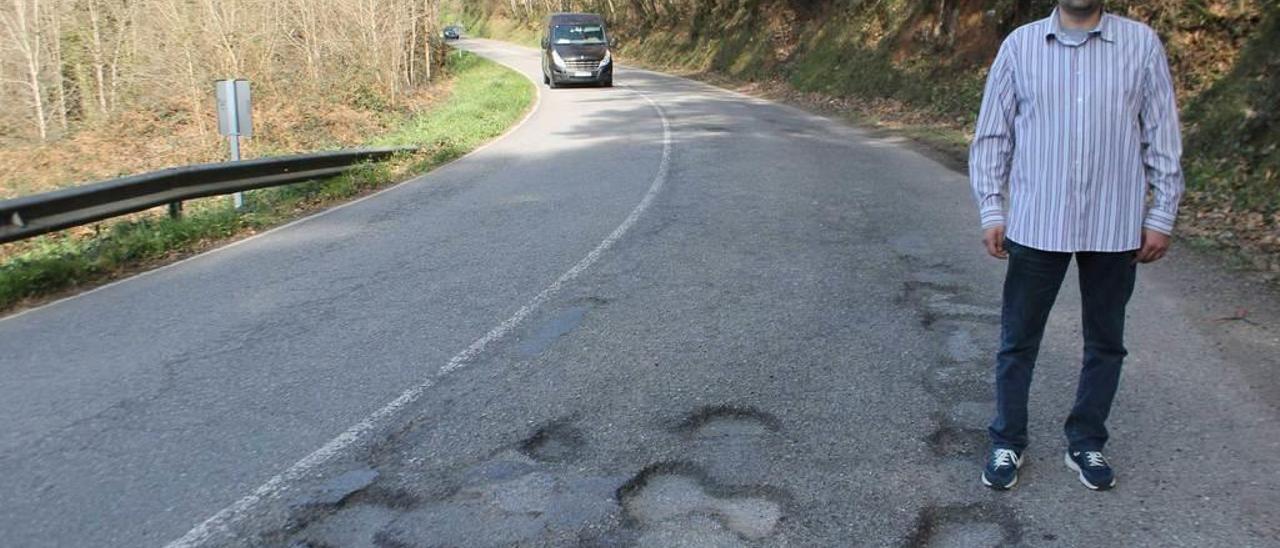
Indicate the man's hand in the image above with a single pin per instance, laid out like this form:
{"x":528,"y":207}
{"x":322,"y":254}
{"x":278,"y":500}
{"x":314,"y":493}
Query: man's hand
{"x":993,"y":238}
{"x":1154,"y":246}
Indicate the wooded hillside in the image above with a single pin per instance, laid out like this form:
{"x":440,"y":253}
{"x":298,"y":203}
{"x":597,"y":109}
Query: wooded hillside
{"x":96,"y":79}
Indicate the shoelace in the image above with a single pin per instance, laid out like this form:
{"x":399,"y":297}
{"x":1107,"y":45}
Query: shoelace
{"x":1004,"y":457}
{"x":1095,"y":459}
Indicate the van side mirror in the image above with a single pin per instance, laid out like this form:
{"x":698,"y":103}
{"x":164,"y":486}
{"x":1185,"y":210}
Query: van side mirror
{"x":613,"y":42}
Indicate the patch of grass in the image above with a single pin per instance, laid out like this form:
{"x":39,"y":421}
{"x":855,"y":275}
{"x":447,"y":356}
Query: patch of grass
{"x":485,"y":100}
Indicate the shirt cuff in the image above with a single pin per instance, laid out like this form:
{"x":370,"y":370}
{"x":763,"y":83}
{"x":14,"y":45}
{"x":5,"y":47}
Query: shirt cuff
{"x":1160,"y":221}
{"x":992,"y":217}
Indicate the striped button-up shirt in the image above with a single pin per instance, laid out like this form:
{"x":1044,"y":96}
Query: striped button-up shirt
{"x":1077,"y":146}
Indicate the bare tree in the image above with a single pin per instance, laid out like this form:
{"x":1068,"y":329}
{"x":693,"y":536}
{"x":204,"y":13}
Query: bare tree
{"x":55,"y":47}
{"x":69,"y":60}
{"x":23,"y":30}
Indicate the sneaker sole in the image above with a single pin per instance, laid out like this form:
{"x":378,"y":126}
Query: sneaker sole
{"x":1080,"y":474}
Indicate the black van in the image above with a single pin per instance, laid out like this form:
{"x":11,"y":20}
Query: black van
{"x":575,"y":49}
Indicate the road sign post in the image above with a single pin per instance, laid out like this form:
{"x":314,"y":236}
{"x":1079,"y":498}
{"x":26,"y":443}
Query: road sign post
{"x":235,"y":119}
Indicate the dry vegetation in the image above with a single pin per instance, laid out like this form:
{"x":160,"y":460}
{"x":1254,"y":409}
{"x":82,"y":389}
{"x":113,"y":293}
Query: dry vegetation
{"x":98,"y":88}
{"x":918,"y":65}
{"x":476,"y":102}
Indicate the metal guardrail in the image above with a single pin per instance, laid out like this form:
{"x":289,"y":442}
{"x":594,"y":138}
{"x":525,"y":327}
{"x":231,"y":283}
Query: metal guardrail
{"x":38,"y":214}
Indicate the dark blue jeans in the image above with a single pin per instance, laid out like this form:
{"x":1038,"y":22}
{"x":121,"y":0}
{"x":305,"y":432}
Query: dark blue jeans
{"x":1030,"y":288}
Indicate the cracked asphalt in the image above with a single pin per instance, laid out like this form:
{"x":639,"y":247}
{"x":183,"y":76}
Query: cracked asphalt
{"x":791,"y":346}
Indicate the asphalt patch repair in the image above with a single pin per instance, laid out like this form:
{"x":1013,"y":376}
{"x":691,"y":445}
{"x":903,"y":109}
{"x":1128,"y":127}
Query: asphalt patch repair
{"x":556,"y":442}
{"x":951,"y":441}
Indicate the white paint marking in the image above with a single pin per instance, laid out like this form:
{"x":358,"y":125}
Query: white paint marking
{"x":537,"y":102}
{"x":222,"y":522}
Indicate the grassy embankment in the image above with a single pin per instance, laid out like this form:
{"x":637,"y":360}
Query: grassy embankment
{"x":483,"y":100}
{"x":479,"y":23}
{"x":896,"y":66}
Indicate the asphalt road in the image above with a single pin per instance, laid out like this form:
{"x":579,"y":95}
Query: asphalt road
{"x":655,"y":315}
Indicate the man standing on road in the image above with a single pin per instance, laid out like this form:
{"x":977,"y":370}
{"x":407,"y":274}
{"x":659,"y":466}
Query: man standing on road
{"x":1076,"y":152}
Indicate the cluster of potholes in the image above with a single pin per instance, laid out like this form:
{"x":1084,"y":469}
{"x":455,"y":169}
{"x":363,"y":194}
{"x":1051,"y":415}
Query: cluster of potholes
{"x":539,"y":491}
{"x":961,"y":381}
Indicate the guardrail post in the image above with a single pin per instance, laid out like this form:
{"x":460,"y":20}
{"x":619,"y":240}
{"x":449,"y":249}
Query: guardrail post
{"x":237,"y":199}
{"x":175,"y":210}
{"x":235,"y":119}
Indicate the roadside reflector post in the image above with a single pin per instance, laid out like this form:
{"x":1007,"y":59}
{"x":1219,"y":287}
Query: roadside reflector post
{"x":235,"y":119}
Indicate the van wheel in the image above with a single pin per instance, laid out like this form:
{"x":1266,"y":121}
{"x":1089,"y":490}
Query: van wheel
{"x":607,"y":83}
{"x":546,"y":79}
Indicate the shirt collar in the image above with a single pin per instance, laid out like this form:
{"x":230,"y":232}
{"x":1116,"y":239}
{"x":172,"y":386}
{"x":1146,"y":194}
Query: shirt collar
{"x":1104,"y":29}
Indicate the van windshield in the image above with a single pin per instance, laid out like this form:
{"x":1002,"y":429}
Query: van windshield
{"x":577,"y":34}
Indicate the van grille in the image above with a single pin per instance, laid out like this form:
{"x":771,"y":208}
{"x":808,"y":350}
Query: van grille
{"x":581,"y":66}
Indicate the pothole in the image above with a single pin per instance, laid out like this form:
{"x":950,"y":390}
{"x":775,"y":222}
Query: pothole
{"x":956,"y":442}
{"x":555,"y":443}
{"x":353,"y":526}
{"x":551,"y":331}
{"x":970,"y":525}
{"x":938,"y":301}
{"x":694,"y":531}
{"x":917,"y":290}
{"x":720,"y":421}
{"x":957,"y":382}
{"x":971,"y":414}
{"x":397,"y":499}
{"x":498,"y":470}
{"x":336,"y":491}
{"x":942,"y":305}
{"x":667,"y":492}
{"x":593,"y":301}
{"x":960,"y":346}
{"x":967,"y":535}
{"x":943,"y":277}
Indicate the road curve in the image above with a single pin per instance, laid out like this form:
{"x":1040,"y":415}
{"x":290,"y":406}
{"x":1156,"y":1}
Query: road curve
{"x":657,"y":315}
{"x":135,"y":412}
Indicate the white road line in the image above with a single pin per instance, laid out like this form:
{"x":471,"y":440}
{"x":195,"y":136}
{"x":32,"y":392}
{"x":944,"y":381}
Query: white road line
{"x":222,"y":522}
{"x":537,"y":102}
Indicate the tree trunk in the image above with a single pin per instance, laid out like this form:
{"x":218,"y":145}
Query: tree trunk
{"x":95,"y":50}
{"x":24,"y":33}
{"x":59,"y":85}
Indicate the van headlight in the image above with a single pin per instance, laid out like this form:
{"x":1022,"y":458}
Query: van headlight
{"x":608,"y":58}
{"x":557,"y":59}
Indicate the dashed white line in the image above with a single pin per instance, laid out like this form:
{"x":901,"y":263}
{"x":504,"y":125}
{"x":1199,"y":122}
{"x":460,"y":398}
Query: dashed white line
{"x":222,"y":522}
